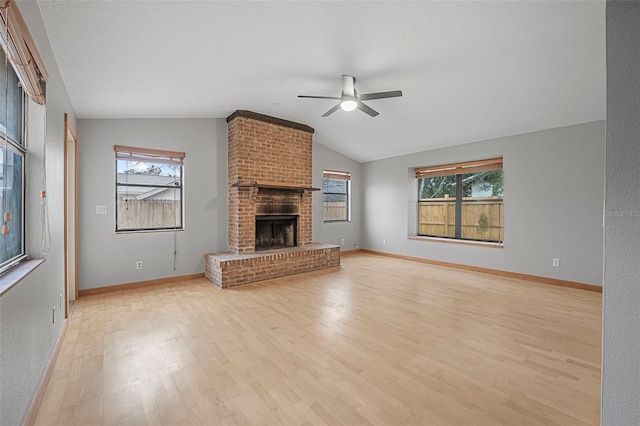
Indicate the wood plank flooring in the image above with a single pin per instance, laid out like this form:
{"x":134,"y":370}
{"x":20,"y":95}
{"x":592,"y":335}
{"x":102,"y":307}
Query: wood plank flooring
{"x":379,"y":341}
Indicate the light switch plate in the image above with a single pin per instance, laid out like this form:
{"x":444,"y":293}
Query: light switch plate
{"x":101,"y":209}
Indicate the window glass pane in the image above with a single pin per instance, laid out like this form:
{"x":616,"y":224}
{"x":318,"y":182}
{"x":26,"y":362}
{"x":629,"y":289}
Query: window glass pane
{"x":11,"y":110}
{"x":11,"y":202}
{"x":483,"y":184}
{"x":136,"y":170}
{"x":437,"y":208}
{"x":336,"y":207}
{"x":437,"y":187}
{"x":149,"y":208}
{"x":338,"y":186}
{"x":437,"y":217}
{"x":149,"y":195}
{"x":482,"y":206}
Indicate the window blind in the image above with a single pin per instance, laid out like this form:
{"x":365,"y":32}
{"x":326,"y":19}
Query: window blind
{"x":334,"y":174}
{"x":152,"y":155}
{"x":458,"y":168}
{"x":21,"y":51}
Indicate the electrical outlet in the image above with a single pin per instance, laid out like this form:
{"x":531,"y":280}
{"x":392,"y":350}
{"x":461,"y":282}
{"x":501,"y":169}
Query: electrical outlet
{"x":342,"y":241}
{"x":139,"y":264}
{"x":384,"y":241}
{"x":556,"y":261}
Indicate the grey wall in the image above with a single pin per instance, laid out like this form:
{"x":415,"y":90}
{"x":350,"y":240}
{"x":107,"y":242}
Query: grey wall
{"x":333,"y":232}
{"x":553,"y":196}
{"x":621,"y":302}
{"x":107,"y":258}
{"x":27,"y":333}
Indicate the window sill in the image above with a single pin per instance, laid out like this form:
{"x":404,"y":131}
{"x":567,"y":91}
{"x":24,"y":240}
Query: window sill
{"x":452,"y":241}
{"x":14,"y":275}
{"x":147,"y":231}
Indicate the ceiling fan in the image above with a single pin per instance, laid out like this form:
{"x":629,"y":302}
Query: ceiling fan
{"x":350,"y":99}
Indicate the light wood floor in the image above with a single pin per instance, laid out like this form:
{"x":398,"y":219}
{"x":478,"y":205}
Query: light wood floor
{"x":379,"y":341}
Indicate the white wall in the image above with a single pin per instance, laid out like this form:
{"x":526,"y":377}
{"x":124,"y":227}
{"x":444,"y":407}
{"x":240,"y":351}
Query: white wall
{"x":621,"y":301}
{"x":27,"y":333}
{"x":107,"y":258}
{"x":553,"y":195}
{"x":333,"y":232}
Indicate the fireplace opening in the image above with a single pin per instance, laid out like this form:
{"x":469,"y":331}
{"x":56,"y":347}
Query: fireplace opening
{"x":276,"y":232}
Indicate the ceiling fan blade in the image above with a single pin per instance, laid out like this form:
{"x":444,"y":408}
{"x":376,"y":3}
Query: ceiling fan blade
{"x":380,"y":95}
{"x":319,"y":97}
{"x":364,"y":108}
{"x":332,"y":110}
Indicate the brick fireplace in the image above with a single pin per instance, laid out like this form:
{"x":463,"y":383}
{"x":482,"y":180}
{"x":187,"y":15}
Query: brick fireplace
{"x":270,"y":215}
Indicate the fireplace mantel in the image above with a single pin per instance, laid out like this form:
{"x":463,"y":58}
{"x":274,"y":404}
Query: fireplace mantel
{"x":275,"y":185}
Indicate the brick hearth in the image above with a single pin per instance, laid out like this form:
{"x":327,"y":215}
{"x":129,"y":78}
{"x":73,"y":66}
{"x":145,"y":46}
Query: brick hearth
{"x":270,"y":173}
{"x":229,"y":269}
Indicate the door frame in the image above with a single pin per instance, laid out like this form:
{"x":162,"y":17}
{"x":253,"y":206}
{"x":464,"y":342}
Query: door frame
{"x":70,"y":136}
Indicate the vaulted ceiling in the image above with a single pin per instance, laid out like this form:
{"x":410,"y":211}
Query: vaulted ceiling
{"x":469,"y":71}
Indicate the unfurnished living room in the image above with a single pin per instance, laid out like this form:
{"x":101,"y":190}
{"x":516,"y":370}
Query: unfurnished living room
{"x":319,"y":212}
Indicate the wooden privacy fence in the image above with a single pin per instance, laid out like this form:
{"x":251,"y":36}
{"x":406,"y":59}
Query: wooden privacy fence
{"x":136,"y":214}
{"x":482,"y":218}
{"x":335,"y":210}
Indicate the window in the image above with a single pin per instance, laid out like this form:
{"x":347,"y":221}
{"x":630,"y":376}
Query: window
{"x":12,"y":170}
{"x":462,"y":201}
{"x":336,"y":189}
{"x":21,"y":72}
{"x":148,"y":189}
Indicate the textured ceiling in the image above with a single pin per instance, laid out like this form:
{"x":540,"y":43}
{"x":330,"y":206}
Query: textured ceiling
{"x":469,"y":71}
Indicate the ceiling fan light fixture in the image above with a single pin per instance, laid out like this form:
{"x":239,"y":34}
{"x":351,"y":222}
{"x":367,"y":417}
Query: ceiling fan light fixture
{"x":348,"y":105}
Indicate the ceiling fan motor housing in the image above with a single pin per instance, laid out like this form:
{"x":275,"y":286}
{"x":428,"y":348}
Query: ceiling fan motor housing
{"x":348,"y":86}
